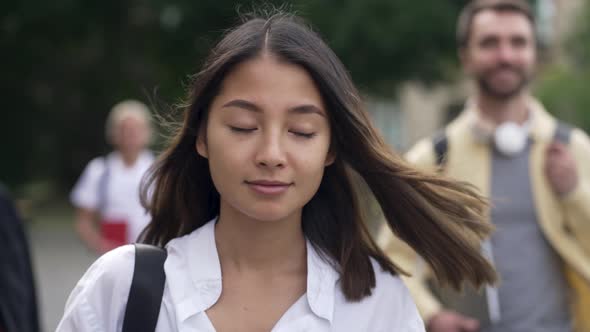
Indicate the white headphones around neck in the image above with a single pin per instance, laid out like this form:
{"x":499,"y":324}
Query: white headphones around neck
{"x":509,"y":138}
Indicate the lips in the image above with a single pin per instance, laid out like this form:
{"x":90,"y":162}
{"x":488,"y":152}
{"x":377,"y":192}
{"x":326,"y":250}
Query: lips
{"x":268,"y":187}
{"x":505,"y":70}
{"x":505,"y":74}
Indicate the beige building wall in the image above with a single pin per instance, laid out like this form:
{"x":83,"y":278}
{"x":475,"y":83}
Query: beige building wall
{"x":561,"y":19}
{"x":424,"y":109}
{"x":566,"y":12}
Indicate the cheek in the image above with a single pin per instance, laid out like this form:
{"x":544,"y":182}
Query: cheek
{"x":139,"y":135}
{"x":312,"y":162}
{"x":310,"y":180}
{"x":314,"y":172}
{"x":229,"y":160}
{"x":222,"y":169}
{"x":223,"y":155}
{"x":484,"y":63}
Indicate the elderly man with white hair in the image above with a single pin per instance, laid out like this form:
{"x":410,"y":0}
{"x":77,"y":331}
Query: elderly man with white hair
{"x":106,"y":196}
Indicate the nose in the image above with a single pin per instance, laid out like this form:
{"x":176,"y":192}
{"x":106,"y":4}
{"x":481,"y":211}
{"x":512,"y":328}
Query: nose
{"x":271,"y":152}
{"x":506,"y":52}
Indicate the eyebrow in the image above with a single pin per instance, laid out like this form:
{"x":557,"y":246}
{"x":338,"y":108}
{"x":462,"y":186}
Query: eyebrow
{"x":300,"y":109}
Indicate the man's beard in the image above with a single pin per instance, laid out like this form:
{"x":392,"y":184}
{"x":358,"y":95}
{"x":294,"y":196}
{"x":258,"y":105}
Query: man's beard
{"x":489,"y":89}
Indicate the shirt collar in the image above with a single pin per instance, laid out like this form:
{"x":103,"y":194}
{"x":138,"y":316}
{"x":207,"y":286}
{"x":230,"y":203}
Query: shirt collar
{"x":198,"y":290}
{"x":540,"y":126}
{"x":321,"y":283}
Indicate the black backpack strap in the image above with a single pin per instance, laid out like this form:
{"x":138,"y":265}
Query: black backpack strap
{"x":441,"y":146}
{"x":147,"y":288}
{"x":562,"y":133}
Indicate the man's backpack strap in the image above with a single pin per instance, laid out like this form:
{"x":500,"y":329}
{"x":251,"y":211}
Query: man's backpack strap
{"x":147,"y":288}
{"x":440,"y":141}
{"x":441,"y":146}
{"x":103,"y":183}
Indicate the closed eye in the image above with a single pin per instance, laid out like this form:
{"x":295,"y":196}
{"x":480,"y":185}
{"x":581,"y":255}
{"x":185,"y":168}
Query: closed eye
{"x":241,"y":130}
{"x":302,"y":134}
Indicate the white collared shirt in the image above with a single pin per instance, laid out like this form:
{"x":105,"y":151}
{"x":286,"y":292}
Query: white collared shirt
{"x":194,"y":284}
{"x":121,"y":196}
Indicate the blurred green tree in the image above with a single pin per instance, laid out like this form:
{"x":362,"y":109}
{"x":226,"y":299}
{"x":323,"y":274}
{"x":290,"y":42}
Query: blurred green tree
{"x":65,"y":62}
{"x":563,"y":84}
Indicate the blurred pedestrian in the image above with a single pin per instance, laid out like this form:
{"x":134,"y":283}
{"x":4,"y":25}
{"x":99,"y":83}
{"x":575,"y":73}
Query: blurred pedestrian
{"x":255,"y":205}
{"x":536,"y":171}
{"x":18,"y":300}
{"x":109,"y":212}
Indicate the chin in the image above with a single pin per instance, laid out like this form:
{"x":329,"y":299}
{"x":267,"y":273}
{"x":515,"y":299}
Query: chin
{"x":268,"y":213}
{"x":502,"y":91}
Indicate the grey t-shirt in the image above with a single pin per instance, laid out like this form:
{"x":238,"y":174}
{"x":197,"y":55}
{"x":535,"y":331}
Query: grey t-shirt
{"x":533,"y":294}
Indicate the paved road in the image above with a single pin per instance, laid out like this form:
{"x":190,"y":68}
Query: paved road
{"x":59,"y":261}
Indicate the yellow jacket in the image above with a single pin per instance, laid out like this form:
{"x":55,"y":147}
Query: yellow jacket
{"x":565,"y":221}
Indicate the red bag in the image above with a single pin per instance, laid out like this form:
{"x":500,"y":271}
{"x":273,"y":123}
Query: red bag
{"x":114,"y":231}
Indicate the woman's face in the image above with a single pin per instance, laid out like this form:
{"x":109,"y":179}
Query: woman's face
{"x":267,"y":139}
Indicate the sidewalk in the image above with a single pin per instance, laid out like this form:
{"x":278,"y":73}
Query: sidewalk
{"x":59,"y":260}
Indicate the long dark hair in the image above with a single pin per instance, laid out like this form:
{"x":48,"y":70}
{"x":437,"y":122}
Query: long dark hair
{"x":438,"y":218}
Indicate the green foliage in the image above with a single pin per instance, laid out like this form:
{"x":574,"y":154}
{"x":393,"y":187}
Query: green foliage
{"x":66,"y":62}
{"x":563,"y":87}
{"x":386,"y":42}
{"x":564,"y":91}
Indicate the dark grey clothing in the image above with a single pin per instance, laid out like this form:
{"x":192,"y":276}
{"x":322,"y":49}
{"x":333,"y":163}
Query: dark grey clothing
{"x":18,"y":302}
{"x":532,"y":292}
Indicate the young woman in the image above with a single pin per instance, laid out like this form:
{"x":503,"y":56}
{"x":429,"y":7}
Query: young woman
{"x":255,"y":203}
